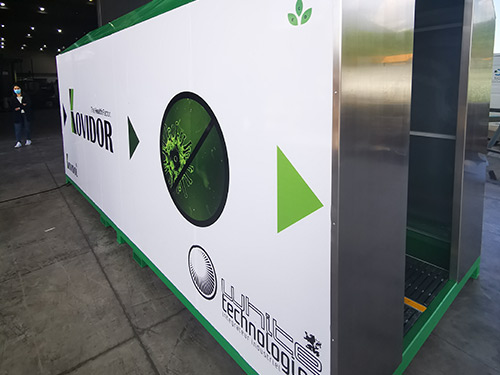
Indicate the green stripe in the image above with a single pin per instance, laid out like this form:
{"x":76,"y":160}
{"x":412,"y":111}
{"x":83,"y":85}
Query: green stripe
{"x":72,"y":116}
{"x":71,"y":91}
{"x":121,"y":237}
{"x":144,"y":13}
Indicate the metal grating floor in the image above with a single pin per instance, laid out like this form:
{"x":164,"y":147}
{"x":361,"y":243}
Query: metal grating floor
{"x":423,"y":282}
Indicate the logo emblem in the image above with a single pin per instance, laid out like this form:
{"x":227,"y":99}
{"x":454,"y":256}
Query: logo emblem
{"x":294,"y":18}
{"x":202,"y":272}
{"x":313,"y":344}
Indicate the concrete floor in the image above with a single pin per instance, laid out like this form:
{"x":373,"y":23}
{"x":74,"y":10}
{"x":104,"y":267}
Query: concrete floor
{"x":73,"y":301}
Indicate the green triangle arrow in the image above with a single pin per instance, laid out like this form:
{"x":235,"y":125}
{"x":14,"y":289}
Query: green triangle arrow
{"x":296,"y":200}
{"x":133,"y":140}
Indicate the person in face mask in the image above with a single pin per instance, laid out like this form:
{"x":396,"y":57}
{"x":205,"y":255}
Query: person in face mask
{"x":20,"y":105}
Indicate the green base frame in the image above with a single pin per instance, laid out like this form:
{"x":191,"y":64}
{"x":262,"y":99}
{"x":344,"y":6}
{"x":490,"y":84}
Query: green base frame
{"x":143,"y":261}
{"x":412,"y":342}
{"x":421,"y":330}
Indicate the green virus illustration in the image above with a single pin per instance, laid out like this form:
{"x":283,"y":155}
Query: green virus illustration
{"x":193,"y":158}
{"x":294,"y":18}
{"x":176,"y":150}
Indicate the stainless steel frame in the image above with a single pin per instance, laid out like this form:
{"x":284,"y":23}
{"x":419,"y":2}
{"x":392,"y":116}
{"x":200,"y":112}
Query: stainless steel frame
{"x":372,"y":86}
{"x":472,"y":133}
{"x":373,"y":65}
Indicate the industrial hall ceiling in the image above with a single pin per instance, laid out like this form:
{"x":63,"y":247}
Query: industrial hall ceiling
{"x":44,"y":26}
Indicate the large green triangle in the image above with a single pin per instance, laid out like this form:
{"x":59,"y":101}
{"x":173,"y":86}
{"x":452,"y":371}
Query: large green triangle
{"x":133,"y":140}
{"x":296,"y":200}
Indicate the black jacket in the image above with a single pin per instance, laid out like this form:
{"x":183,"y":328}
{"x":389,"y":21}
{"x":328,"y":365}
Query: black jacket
{"x":26,"y":105}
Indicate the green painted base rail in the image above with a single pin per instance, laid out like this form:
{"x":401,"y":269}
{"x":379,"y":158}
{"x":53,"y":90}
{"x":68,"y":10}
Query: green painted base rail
{"x":143,"y":261}
{"x":421,"y":330}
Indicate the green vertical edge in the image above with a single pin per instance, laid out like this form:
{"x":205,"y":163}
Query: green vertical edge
{"x":143,"y":260}
{"x":141,"y":14}
{"x":417,"y":335}
{"x":71,"y":96}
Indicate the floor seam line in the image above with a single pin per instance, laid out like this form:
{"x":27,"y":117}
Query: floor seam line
{"x":81,"y":364}
{"x":134,"y":329}
{"x":37,"y":193}
{"x":56,"y":260}
{"x":466,"y":353}
{"x":165,"y":320}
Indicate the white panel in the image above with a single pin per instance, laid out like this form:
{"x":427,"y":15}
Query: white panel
{"x":270,"y":85}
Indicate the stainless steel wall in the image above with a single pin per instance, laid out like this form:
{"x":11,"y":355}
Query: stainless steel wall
{"x":373,"y":64}
{"x":472,"y":129}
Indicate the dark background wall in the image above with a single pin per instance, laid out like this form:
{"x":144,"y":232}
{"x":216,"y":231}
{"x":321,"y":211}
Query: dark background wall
{"x":108,"y":10}
{"x":32,"y":34}
{"x":34,"y":69}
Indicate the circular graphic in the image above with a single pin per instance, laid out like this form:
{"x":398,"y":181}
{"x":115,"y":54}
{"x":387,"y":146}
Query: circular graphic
{"x":194,"y":159}
{"x":202,"y":272}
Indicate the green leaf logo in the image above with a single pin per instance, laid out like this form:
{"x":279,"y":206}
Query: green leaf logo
{"x":294,"y":18}
{"x":306,"y":16}
{"x":299,"y":7}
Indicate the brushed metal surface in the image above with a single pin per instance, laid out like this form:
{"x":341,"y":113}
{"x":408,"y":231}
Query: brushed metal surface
{"x":334,"y":280}
{"x":472,"y":129}
{"x":370,"y":165}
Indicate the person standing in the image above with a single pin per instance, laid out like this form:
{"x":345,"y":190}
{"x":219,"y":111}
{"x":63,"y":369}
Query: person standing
{"x":20,"y":105}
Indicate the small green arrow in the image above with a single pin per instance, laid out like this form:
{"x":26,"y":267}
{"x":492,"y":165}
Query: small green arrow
{"x":133,"y":140}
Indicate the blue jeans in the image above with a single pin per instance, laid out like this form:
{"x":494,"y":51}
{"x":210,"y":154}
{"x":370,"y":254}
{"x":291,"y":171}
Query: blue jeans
{"x":18,"y":127}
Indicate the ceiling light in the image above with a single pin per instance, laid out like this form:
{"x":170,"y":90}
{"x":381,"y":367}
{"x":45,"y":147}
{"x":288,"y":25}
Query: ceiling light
{"x":2,"y":4}
{"x":2,"y":46}
{"x":42,"y":9}
{"x":32,"y":27}
{"x":28,"y":35}
{"x":44,"y":46}
{"x":41,"y":49}
{"x":59,"y":30}
{"x":22,"y":47}
{"x":2,"y":25}
{"x":2,"y":38}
